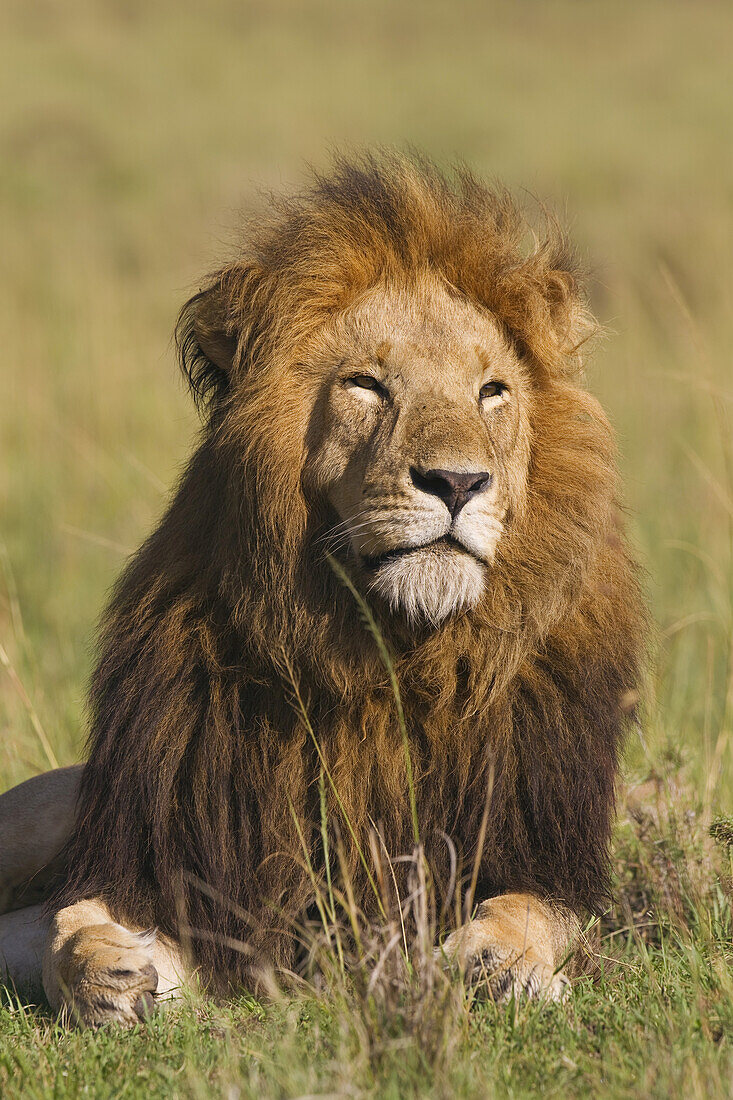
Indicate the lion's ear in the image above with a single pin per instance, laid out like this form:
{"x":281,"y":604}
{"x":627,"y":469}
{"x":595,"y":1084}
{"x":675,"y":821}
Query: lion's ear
{"x":573,"y":324}
{"x":577,"y":328}
{"x":214,"y":329}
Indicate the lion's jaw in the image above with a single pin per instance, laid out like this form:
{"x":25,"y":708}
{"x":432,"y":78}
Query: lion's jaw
{"x":430,"y":566}
{"x":430,"y":584}
{"x":403,"y":420}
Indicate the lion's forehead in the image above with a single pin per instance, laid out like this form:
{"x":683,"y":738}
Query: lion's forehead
{"x":426,"y":328}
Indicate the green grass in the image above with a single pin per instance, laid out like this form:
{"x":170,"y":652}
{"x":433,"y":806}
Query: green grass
{"x":130,"y":136}
{"x":656,"y":1026}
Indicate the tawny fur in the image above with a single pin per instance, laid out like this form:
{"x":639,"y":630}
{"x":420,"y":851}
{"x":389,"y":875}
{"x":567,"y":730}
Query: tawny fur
{"x":200,"y":765}
{"x":96,"y":971}
{"x":516,"y":945}
{"x":36,"y":820}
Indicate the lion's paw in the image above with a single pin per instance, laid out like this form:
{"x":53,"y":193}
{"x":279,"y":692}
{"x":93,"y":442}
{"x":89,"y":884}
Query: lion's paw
{"x":506,"y":952}
{"x":103,"y":974}
{"x":499,"y":975}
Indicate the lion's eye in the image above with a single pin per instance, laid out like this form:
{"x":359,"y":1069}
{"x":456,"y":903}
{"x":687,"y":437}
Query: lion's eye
{"x":492,"y":390}
{"x":367,"y":382}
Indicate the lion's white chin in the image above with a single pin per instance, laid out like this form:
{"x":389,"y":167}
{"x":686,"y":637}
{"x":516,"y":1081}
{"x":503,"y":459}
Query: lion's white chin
{"x":430,"y":584}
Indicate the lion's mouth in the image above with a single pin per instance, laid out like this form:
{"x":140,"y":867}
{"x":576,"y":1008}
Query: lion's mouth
{"x":373,"y":564}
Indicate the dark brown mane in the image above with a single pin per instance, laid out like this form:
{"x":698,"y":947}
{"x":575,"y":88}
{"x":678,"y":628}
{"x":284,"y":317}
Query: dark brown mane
{"x":200,"y":764}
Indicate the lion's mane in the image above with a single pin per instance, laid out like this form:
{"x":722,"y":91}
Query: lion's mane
{"x":201,"y":796}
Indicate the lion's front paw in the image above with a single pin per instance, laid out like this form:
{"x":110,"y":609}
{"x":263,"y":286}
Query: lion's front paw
{"x":499,"y":971}
{"x":508,"y":950}
{"x":102,"y":974}
{"x":499,"y":975}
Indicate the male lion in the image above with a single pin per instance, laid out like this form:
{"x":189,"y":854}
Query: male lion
{"x":391,"y":387}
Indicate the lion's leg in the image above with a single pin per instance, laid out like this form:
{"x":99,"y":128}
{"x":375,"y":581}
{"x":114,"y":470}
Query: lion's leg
{"x":96,"y":971}
{"x":23,"y":938}
{"x":515,"y":945}
{"x":36,"y":820}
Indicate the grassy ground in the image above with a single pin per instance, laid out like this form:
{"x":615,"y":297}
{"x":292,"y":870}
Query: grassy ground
{"x":130,"y":135}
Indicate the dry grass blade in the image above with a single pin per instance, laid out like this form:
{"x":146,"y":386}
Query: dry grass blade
{"x":30,"y":709}
{"x":386,"y":659}
{"x":311,"y":733}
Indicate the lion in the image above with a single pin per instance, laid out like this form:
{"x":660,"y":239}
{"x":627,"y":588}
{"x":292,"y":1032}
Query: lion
{"x":390,"y":384}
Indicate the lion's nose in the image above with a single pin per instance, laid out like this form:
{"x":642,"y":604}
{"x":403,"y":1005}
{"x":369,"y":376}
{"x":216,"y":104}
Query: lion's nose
{"x":454,"y":487}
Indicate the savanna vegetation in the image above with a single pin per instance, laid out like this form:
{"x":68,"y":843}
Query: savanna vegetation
{"x":131,"y":136}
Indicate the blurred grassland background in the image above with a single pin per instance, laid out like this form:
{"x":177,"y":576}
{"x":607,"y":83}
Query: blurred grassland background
{"x":131,"y":136}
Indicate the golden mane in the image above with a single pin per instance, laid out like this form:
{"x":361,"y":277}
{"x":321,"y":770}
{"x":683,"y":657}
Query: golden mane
{"x":201,"y":768}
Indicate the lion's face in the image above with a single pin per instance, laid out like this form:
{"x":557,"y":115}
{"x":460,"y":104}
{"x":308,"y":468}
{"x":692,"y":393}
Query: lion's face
{"x":420,"y":442}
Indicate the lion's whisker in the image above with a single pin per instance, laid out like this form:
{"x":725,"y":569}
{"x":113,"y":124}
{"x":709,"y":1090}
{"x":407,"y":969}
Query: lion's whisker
{"x":343,"y":526}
